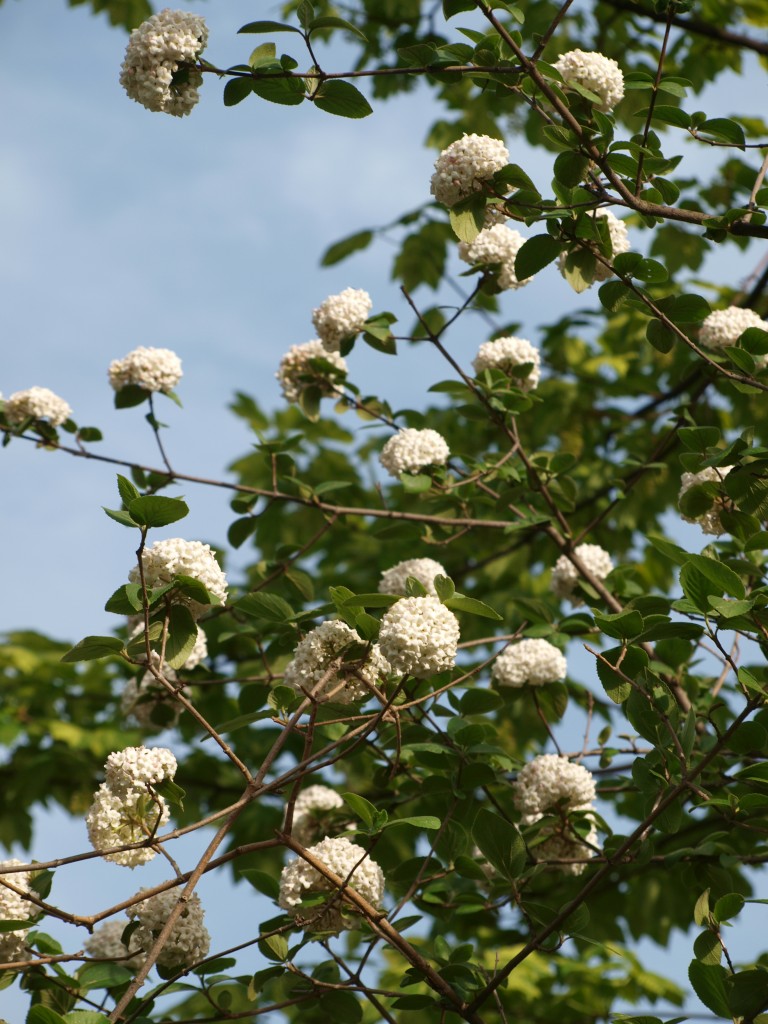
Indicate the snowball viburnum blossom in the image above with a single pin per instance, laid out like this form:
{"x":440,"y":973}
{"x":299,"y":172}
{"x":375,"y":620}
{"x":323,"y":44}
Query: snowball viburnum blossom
{"x":424,"y":570}
{"x":14,"y":908}
{"x":530,"y":661}
{"x":419,"y":636}
{"x":345,"y":859}
{"x":107,"y":943}
{"x":341,"y":316}
{"x":709,"y":521}
{"x":153,"y":369}
{"x":176,"y":557}
{"x":565,"y":574}
{"x":550,"y":781}
{"x":139,"y":767}
{"x":315,"y":654}
{"x":127,"y":816}
{"x":312,"y":813}
{"x":410,"y":450}
{"x":157,"y":71}
{"x":600,"y":74}
{"x":723,"y":328}
{"x":188,"y":941}
{"x":465,"y":166}
{"x":497,"y":244}
{"x":296,"y":372}
{"x":506,"y":354}
{"x":39,"y":403}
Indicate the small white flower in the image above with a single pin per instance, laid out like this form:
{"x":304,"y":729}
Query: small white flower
{"x":313,"y":812}
{"x":419,"y":636}
{"x":723,"y":328}
{"x":126,"y":816}
{"x":709,"y":521}
{"x":345,"y":859}
{"x":496,"y":245}
{"x":341,"y":316}
{"x":153,"y":369}
{"x":296,"y":373}
{"x":600,"y":74}
{"x":135,"y":768}
{"x":188,"y":942}
{"x":157,"y":71}
{"x":315,"y":654}
{"x":508,"y":353}
{"x":410,"y":450}
{"x":565,"y":574}
{"x":465,"y":166}
{"x":422,"y":569}
{"x":14,"y":908}
{"x":176,"y":557}
{"x":550,"y":782}
{"x":40,"y":403}
{"x":530,"y":661}
{"x":106,"y":943}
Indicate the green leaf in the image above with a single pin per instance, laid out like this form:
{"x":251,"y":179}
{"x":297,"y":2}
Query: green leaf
{"x":667,"y":115}
{"x":629,"y":661}
{"x":105,"y":976}
{"x":723,"y":129}
{"x":500,"y":843}
{"x":121,"y":517}
{"x":343,"y":99}
{"x":418,"y":821}
{"x":329,"y":21}
{"x":126,"y":600}
{"x":709,"y":984}
{"x":155,"y":510}
{"x":470,"y":605}
{"x":535,"y":254}
{"x":748,"y":993}
{"x":728,"y":906}
{"x":274,"y":947}
{"x":236,"y":90}
{"x":340,"y":1006}
{"x":44,"y":1015}
{"x":41,"y":883}
{"x":257,"y":27}
{"x":719,"y":574}
{"x":570,"y":168}
{"x":182,"y":635}
{"x":262,"y":882}
{"x":444,"y":588}
{"x":93,"y":647}
{"x":266,"y":606}
{"x":129,"y":396}
{"x":340,"y":250}
{"x":285,"y":91}
{"x":467,"y":220}
{"x":623,"y":626}
{"x":171,"y":792}
{"x":127,"y":490}
{"x":363,"y":808}
{"x":707,"y":948}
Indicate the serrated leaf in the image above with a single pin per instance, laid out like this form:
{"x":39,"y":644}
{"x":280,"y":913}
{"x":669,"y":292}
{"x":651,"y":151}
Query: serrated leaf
{"x":121,"y":516}
{"x":709,"y":984}
{"x":266,"y":606}
{"x":470,"y":605}
{"x":182,"y":635}
{"x":126,"y":600}
{"x":236,"y":90}
{"x":154,"y":510}
{"x":342,"y":99}
{"x":274,"y":947}
{"x":535,"y":254}
{"x":721,"y":575}
{"x":707,"y":948}
{"x":92,"y":647}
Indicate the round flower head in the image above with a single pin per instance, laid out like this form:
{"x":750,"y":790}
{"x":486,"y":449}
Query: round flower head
{"x":601,"y":75}
{"x":724,"y":327}
{"x":549,"y":782}
{"x":506,"y":354}
{"x":176,"y":557}
{"x":188,"y":941}
{"x":106,"y":943}
{"x":14,"y":908}
{"x":560,"y":840}
{"x":116,"y":818}
{"x":565,"y":574}
{"x":345,"y":859}
{"x":422,"y":569}
{"x":496,"y":245}
{"x":296,"y":371}
{"x":410,"y":450}
{"x":313,"y":813}
{"x":534,"y":662}
{"x":157,"y":71}
{"x":419,"y":636}
{"x":310,"y":670}
{"x":341,"y":316}
{"x":135,"y":768}
{"x":465,"y":166}
{"x":39,"y":403}
{"x":153,"y":369}
{"x":709,"y":521}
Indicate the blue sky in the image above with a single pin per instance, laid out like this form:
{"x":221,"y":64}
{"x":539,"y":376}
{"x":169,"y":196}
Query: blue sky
{"x":203,"y":234}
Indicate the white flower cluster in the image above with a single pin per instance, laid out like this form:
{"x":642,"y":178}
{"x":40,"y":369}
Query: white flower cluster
{"x":619,"y":236}
{"x":496,"y":244}
{"x":14,"y":908}
{"x":530,"y":661}
{"x":506,"y":354}
{"x":549,"y":782}
{"x":40,"y":403}
{"x":295,"y":372}
{"x":176,"y":557}
{"x":424,"y":570}
{"x":345,"y":859}
{"x":465,"y":166}
{"x":410,"y":450}
{"x":419,"y":636}
{"x":188,"y":941}
{"x":565,"y":574}
{"x":156,"y":71}
{"x":723,"y":328}
{"x":153,"y":369}
{"x":600,"y":74}
{"x":315,"y":654}
{"x":311,"y":815}
{"x":106,"y":943}
{"x":709,"y":521}
{"x":341,"y":316}
{"x":124,"y":810}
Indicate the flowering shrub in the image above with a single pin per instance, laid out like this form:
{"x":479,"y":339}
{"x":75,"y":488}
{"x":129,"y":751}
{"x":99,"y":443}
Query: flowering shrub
{"x":158,"y":69}
{"x":153,"y":369}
